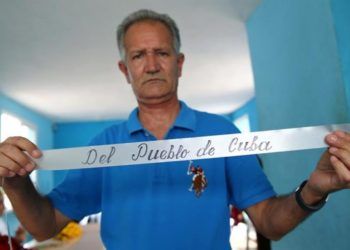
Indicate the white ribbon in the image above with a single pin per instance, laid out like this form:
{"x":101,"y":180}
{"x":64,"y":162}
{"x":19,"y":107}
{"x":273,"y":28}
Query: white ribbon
{"x":188,"y":148}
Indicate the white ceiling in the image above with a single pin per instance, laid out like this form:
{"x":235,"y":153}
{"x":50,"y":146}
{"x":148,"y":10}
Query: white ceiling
{"x":60,"y":58}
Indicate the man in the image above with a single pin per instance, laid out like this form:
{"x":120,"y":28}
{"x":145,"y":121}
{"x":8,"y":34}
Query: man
{"x":151,"y":206}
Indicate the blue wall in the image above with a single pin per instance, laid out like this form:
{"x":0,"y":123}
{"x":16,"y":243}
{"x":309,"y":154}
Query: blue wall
{"x":249,"y":108}
{"x":341,"y":15}
{"x":76,"y":134}
{"x":51,"y":135}
{"x":299,"y":82}
{"x":45,"y":141}
{"x":44,"y":134}
{"x":43,"y":124}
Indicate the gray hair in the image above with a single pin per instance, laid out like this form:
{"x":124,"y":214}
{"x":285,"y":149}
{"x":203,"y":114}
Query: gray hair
{"x":147,"y":15}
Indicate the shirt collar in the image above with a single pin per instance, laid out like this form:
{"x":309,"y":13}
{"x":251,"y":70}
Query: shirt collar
{"x":186,"y":119}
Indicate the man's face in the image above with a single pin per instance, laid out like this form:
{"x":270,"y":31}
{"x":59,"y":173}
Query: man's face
{"x":151,"y":64}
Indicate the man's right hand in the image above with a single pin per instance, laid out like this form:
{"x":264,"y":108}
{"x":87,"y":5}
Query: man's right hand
{"x":14,"y":156}
{"x":34,"y":211}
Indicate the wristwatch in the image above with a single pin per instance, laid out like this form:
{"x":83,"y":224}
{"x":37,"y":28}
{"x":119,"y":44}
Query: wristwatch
{"x":303,"y":205}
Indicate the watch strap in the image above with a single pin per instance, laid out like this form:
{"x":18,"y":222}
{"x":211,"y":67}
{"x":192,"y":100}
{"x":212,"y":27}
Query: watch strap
{"x":303,"y":205}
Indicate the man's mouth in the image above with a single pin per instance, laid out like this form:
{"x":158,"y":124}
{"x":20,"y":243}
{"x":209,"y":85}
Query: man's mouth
{"x":154,"y":80}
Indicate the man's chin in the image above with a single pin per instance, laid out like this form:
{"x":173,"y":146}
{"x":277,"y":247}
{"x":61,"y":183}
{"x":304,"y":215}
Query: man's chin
{"x":156,"y":99}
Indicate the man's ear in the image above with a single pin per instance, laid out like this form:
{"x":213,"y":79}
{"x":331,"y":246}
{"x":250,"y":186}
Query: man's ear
{"x":180,"y":62}
{"x":124,"y":69}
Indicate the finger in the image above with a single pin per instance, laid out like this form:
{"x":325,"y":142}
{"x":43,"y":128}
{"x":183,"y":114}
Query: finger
{"x":342,"y":155}
{"x":4,"y":172}
{"x":16,"y":154}
{"x":334,"y":140}
{"x":25,"y":145}
{"x":343,"y":134}
{"x":11,"y":165}
{"x":341,"y":170}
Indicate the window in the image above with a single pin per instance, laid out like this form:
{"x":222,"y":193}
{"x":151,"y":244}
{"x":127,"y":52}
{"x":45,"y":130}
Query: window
{"x":11,"y":125}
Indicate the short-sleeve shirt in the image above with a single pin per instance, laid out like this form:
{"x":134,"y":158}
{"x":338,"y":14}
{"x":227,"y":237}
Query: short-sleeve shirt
{"x":155,"y":206}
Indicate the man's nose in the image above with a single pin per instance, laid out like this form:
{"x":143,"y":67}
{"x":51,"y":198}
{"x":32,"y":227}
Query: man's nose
{"x":152,"y":64}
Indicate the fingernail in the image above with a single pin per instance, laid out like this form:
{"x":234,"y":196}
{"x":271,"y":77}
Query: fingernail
{"x":332,"y":150}
{"x":37,"y":153}
{"x":333,"y":138}
{"x":340,"y":134}
{"x":29,"y":167}
{"x":22,"y":172}
{"x":333,"y":159}
{"x":11,"y":174}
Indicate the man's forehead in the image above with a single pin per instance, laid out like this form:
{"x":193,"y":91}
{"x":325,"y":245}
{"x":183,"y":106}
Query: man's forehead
{"x":141,"y":33}
{"x":150,"y":22}
{"x":146,"y":25}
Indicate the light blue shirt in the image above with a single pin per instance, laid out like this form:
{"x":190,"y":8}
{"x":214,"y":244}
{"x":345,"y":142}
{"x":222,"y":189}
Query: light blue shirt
{"x":154,"y":206}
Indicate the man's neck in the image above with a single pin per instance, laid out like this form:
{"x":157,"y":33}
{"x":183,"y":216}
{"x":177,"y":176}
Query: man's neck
{"x":158,"y":118}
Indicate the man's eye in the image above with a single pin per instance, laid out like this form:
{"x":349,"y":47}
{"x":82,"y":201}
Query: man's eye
{"x":163,"y":53}
{"x":137,"y":56}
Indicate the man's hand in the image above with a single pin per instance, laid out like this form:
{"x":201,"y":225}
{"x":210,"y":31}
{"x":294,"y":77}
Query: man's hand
{"x":14,"y":156}
{"x":333,"y":169}
{"x":279,"y":215}
{"x":35,"y":212}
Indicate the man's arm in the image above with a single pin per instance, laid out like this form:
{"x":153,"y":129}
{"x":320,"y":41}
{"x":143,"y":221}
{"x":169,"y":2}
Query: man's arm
{"x":34,"y":211}
{"x":277,"y":216}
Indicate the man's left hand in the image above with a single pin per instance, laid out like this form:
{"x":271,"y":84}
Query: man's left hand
{"x":333,"y":169}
